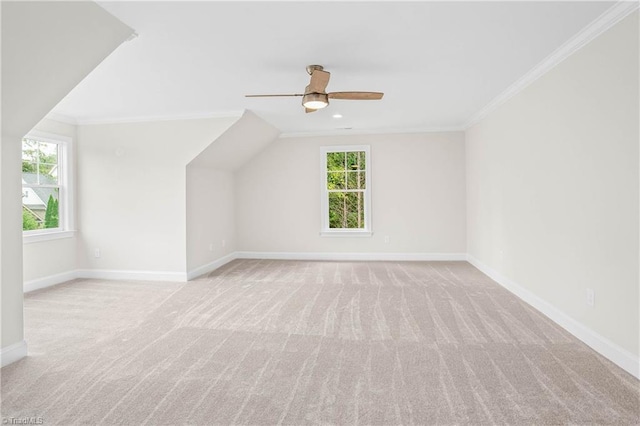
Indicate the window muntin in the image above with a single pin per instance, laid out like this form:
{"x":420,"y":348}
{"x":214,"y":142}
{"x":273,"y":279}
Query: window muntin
{"x":44,"y":201}
{"x":345,"y":190}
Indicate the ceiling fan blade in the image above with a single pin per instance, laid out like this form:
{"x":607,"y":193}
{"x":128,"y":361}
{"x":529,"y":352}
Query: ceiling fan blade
{"x":308,"y":110}
{"x":270,"y":96}
{"x":319,"y":81}
{"x":356,"y":96}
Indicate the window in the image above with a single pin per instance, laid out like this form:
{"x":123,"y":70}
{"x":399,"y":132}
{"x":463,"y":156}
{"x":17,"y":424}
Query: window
{"x":45,"y":186}
{"x":346,"y":189}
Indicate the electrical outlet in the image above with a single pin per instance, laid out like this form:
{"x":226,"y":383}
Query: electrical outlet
{"x":96,"y":252}
{"x":224,"y":243}
{"x":386,"y":239}
{"x":590,"y":297}
{"x":210,"y":246}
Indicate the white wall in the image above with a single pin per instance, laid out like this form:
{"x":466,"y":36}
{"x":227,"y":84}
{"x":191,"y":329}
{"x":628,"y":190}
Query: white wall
{"x":418,"y":196}
{"x":46,"y":258}
{"x":552,"y":184}
{"x":132,"y":192}
{"x":211,"y":229}
{"x":210,"y":205}
{"x":47,"y":48}
{"x":10,"y":240}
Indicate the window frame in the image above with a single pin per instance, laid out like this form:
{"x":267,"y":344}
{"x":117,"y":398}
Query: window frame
{"x":65,"y":185}
{"x":325,"y":230}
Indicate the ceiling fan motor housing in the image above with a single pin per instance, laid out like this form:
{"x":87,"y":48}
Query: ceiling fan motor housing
{"x":312,"y":68}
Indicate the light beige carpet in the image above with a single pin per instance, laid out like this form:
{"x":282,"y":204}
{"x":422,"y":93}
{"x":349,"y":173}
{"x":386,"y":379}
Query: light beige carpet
{"x":287,"y":342}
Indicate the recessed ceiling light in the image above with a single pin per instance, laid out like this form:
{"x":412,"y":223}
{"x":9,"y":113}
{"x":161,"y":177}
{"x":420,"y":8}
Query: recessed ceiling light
{"x":337,"y":115}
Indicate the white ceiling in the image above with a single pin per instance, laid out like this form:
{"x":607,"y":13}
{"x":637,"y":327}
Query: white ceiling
{"x":437,"y":62}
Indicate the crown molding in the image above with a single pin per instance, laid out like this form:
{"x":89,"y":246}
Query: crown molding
{"x":608,"y":19}
{"x":141,"y":119}
{"x":61,"y":118}
{"x":238,"y":113}
{"x":354,"y":132}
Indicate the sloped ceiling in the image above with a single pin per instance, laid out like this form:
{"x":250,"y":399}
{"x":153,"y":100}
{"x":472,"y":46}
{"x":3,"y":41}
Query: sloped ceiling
{"x":43,"y":56}
{"x":238,"y":144}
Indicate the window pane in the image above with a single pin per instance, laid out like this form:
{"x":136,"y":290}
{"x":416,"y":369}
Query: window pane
{"x":30,"y":160}
{"x":355,"y":180}
{"x":363,"y":160}
{"x":48,"y":152}
{"x":336,"y":180}
{"x":29,"y":150}
{"x":352,"y":161}
{"x":336,"y":216}
{"x":39,"y":158}
{"x":29,"y":172}
{"x":346,"y":210}
{"x":48,"y":168}
{"x":40,"y":208}
{"x":335,"y":161}
{"x":355,"y":160}
{"x":48,"y":174}
{"x":355,"y":210}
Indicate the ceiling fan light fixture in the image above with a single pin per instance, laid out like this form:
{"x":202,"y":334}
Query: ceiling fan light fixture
{"x":315,"y":100}
{"x":315,"y":95}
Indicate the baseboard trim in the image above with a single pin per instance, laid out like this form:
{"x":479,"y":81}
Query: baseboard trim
{"x":111,"y":274}
{"x":13,"y":353}
{"x":49,"y":281}
{"x":103,"y":274}
{"x":212,"y":266}
{"x":351,"y":256}
{"x":605,"y":347}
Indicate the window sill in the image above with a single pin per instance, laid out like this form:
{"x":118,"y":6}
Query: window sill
{"x":341,"y":233}
{"x":46,"y":236}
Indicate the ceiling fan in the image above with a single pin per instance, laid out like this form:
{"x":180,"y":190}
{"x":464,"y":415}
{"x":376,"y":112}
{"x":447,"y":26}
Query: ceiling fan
{"x":315,"y":96}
